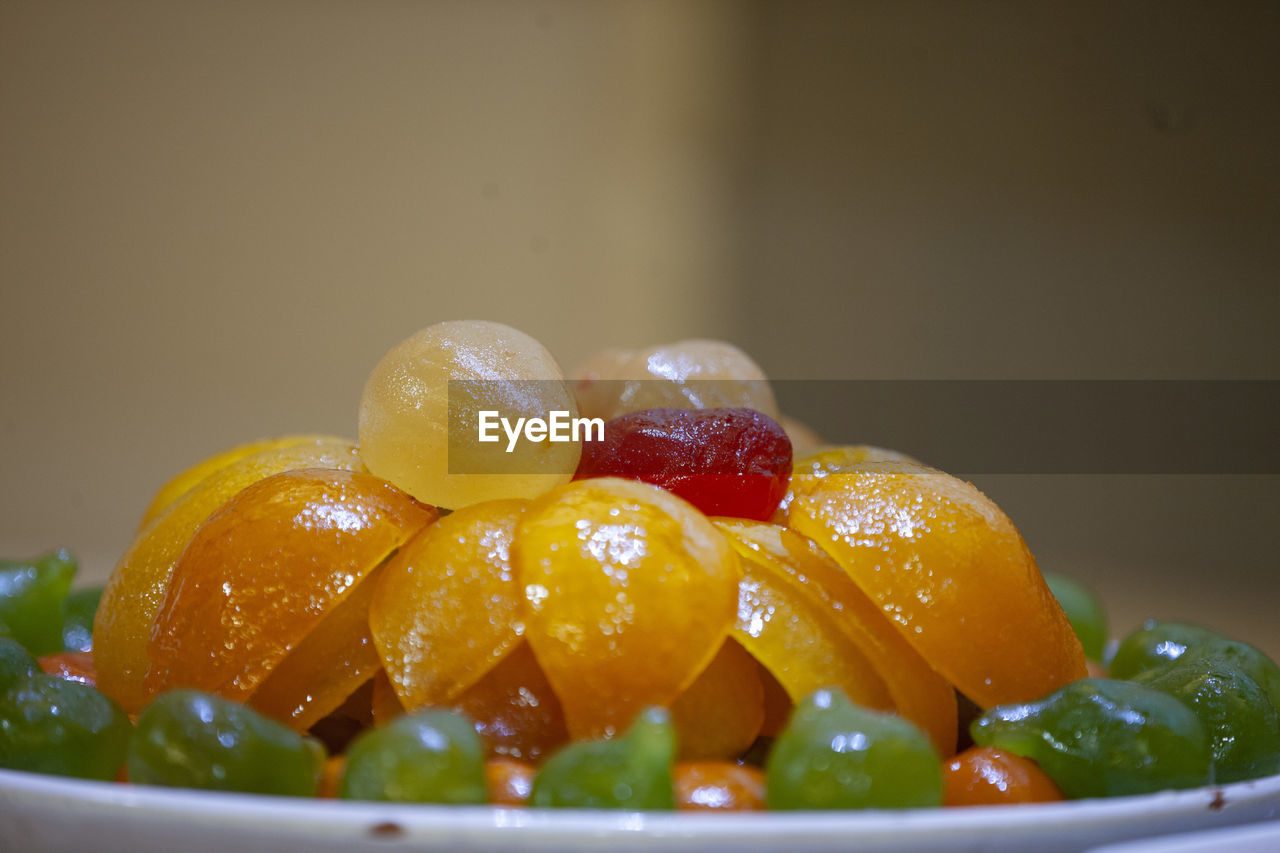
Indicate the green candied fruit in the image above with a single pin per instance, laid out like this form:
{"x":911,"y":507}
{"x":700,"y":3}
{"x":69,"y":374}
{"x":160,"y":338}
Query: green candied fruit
{"x":189,"y":739}
{"x":1084,"y":612}
{"x":1102,"y":738}
{"x":1236,"y":713}
{"x":31,"y":595}
{"x":49,"y":725}
{"x":78,"y":611}
{"x":833,"y":754}
{"x":1156,"y":644}
{"x":16,"y":663}
{"x":628,"y":772}
{"x":428,"y":757}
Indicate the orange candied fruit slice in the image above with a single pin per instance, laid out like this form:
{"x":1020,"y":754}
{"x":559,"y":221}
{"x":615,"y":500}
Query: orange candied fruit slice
{"x":630,"y":594}
{"x":951,"y":572}
{"x":266,"y":568}
{"x":514,"y":708}
{"x":193,"y":476}
{"x":792,"y":569}
{"x":447,"y":607}
{"x":137,"y":585}
{"x":330,"y":663}
{"x":720,"y":714}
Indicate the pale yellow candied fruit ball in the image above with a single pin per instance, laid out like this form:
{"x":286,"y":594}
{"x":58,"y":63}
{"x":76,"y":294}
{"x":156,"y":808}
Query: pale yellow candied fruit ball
{"x":407,"y":416}
{"x":691,"y":374}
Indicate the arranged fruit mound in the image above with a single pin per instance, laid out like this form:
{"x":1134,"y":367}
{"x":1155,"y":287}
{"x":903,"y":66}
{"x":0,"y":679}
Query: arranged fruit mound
{"x":701,"y":608}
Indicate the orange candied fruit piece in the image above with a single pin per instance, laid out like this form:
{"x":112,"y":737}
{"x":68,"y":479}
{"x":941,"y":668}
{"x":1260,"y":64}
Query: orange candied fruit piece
{"x":447,"y":607}
{"x":514,"y":708}
{"x":718,"y":786}
{"x":789,"y":582}
{"x":951,"y":572}
{"x":331,"y":662}
{"x":630,"y":592}
{"x":510,"y":781}
{"x":720,"y":714}
{"x":266,"y":568}
{"x":986,"y":776}
{"x":140,"y":579}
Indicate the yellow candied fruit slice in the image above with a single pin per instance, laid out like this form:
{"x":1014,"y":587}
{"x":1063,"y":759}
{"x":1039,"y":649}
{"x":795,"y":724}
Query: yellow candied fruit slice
{"x":918,"y":692}
{"x":447,"y":607}
{"x":951,"y":572}
{"x":630,"y":593}
{"x":266,"y":568}
{"x":720,"y":714}
{"x":331,"y":662}
{"x":795,"y":635}
{"x":191,"y":477}
{"x":139,"y":581}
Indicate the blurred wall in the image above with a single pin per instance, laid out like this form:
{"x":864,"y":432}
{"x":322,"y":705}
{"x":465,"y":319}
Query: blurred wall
{"x":215,"y":217}
{"x":1003,"y":190}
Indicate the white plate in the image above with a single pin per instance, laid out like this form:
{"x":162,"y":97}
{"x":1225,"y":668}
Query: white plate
{"x":45,"y":813}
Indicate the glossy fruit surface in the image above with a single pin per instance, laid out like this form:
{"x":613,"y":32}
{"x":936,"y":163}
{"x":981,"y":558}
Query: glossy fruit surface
{"x":719,"y":715}
{"x":732,"y":462}
{"x":802,"y":617}
{"x":702,"y":786}
{"x":78,"y":610}
{"x":425,"y":757}
{"x":266,"y":568}
{"x":454,"y":580}
{"x":514,"y":709}
{"x":31,"y":596}
{"x":630,"y":592}
{"x":690,"y":374}
{"x":1102,"y":738}
{"x":632,"y":771}
{"x":51,"y":725}
{"x":202,"y":470}
{"x":510,"y":781}
{"x":985,"y":776}
{"x":1242,"y":725}
{"x":953,"y":575}
{"x":326,"y":666}
{"x":138,"y":584}
{"x":189,"y":739}
{"x":70,"y":666}
{"x":835,"y":755}
{"x":16,"y":663}
{"x":420,"y":413}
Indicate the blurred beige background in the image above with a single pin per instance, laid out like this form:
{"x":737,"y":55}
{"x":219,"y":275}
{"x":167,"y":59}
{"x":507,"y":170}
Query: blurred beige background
{"x":215,"y":217}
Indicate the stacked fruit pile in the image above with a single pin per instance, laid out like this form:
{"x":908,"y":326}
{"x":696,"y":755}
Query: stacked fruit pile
{"x":680,"y":613}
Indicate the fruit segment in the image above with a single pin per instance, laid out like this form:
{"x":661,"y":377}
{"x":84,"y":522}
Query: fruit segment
{"x":797,"y":636}
{"x":951,"y":572}
{"x":447,"y":607}
{"x":138,"y":584}
{"x":266,"y":568}
{"x":193,"y":476}
{"x":514,"y":708}
{"x":721,"y":712}
{"x":630,"y":592}
{"x":327,"y":665}
{"x":800,"y":571}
